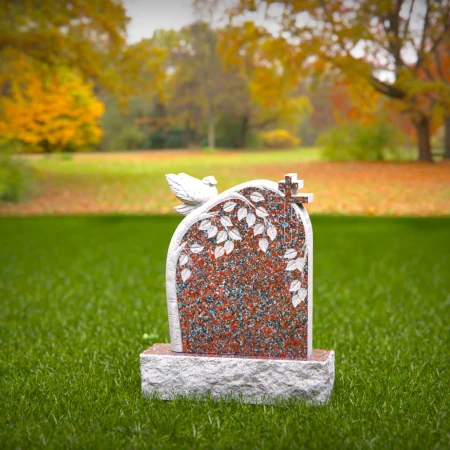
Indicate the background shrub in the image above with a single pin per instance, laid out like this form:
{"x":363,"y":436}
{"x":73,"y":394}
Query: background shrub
{"x":356,"y":141}
{"x":279,"y":139}
{"x":131,"y":138}
{"x":16,"y":179}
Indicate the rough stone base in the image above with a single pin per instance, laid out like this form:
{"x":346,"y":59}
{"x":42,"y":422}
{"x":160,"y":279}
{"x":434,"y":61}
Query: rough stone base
{"x":251,"y":379}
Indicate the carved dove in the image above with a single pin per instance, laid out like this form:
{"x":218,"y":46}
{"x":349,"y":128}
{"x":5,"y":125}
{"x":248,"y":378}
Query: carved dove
{"x":191,"y":191}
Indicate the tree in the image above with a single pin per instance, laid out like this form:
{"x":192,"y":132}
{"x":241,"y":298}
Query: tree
{"x":262,"y":90}
{"x":196,"y":82}
{"x":86,"y":35}
{"x":205,"y":9}
{"x":384,"y":41}
{"x":50,"y":111}
{"x":438,"y":70}
{"x":189,"y":81}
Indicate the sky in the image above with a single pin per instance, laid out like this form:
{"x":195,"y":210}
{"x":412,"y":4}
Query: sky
{"x":150,"y":15}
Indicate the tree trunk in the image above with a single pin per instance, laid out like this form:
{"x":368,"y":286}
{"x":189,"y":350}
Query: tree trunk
{"x":211,"y":127}
{"x":423,"y":138}
{"x":243,"y":134}
{"x":447,"y":137}
{"x":186,"y":134}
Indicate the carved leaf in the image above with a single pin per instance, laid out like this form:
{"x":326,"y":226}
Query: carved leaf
{"x":295,"y":286}
{"x":222,"y":236}
{"x":208,"y":214}
{"x":256,"y":197}
{"x":251,"y":218}
{"x":220,"y":251}
{"x":272,"y":232}
{"x":263,"y":244}
{"x":212,"y":232}
{"x":259,"y":229}
{"x":299,"y":297}
{"x":261,"y":212}
{"x":226,"y":221}
{"x":228,"y":246}
{"x":242,"y":213}
{"x":204,"y":225}
{"x":185,"y":274}
{"x":229,"y":206}
{"x":183,"y":259}
{"x":196,"y":248}
{"x":234,"y":234}
{"x":299,"y":263}
{"x":290,"y":253}
{"x":302,"y":293}
{"x":290,"y":265}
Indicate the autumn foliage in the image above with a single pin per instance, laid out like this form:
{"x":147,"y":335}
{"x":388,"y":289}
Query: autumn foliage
{"x":280,"y":139}
{"x":51,"y":112}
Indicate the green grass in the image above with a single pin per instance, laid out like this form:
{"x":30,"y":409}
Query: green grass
{"x":133,"y":176}
{"x":194,"y":163}
{"x":78,"y":294}
{"x":230,"y":167}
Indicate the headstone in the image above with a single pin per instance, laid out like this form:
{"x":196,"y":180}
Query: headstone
{"x":239,"y":294}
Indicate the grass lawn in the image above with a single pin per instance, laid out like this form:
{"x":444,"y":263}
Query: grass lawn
{"x":133,"y":183}
{"x":78,"y":294}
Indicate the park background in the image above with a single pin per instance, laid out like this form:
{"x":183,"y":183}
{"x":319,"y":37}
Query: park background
{"x":99,"y":99}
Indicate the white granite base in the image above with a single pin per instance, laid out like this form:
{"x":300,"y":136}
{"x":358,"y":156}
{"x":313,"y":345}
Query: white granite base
{"x":253,"y":380}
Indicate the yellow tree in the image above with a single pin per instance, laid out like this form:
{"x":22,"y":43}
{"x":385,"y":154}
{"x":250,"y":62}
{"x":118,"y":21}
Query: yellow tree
{"x":50,"y":112}
{"x":84,"y":34}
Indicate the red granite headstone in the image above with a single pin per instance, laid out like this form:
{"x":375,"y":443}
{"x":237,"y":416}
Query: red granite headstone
{"x":239,"y":273}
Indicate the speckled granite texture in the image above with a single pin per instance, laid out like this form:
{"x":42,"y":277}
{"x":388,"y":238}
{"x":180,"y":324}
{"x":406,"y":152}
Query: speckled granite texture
{"x":251,"y":379}
{"x":243,"y":274}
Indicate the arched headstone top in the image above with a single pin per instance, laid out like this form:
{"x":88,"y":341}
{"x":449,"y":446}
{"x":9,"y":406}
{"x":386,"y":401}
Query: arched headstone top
{"x":239,"y":269}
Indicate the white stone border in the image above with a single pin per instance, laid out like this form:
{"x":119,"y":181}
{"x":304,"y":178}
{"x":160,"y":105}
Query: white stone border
{"x":250,"y":380}
{"x":304,"y":216}
{"x":175,"y":249}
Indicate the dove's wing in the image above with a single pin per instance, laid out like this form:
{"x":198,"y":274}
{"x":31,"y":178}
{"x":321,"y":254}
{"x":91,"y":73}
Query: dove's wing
{"x":185,"y":188}
{"x":184,"y":209}
{"x":190,"y":180}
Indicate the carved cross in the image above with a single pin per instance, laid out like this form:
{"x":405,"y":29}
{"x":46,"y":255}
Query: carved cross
{"x":289,"y":187}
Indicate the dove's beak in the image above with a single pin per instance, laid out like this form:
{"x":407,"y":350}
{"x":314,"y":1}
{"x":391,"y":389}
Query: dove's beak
{"x":210,"y":180}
